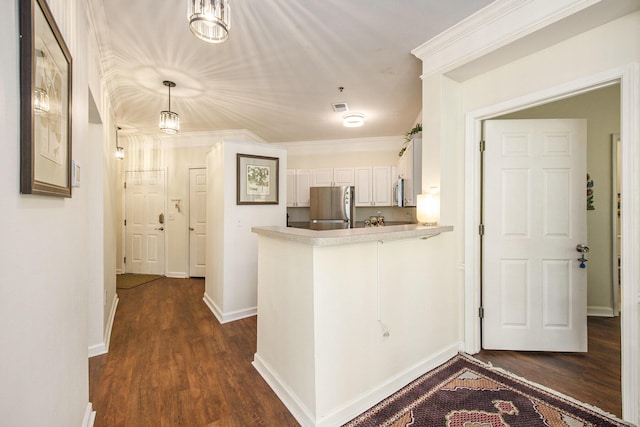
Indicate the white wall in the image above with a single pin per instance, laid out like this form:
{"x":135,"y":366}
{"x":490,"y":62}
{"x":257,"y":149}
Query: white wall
{"x":611,"y":46}
{"x":43,"y":255}
{"x":232,"y":249}
{"x":601,"y":108}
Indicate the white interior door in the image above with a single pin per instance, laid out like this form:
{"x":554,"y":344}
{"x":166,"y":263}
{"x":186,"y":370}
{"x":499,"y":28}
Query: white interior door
{"x":144,"y":235}
{"x":534,"y":292}
{"x":197,"y":221}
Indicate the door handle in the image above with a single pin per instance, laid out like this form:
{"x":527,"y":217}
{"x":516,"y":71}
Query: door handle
{"x":159,"y":228}
{"x":192,"y":229}
{"x":582,"y":248}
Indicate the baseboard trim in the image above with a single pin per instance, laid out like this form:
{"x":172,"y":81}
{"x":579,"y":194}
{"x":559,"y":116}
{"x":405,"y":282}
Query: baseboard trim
{"x":229,"y":316}
{"x":177,"y":275}
{"x":600,"y":311}
{"x":299,"y":411}
{"x":103,"y":347}
{"x":89,"y":416}
{"x":355,"y":407}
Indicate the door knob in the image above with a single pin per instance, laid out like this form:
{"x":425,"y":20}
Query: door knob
{"x":191,"y":228}
{"x":582,"y":248}
{"x":160,"y":228}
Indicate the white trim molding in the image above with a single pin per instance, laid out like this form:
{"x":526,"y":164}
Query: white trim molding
{"x":103,"y":347}
{"x":228,"y":316}
{"x":501,"y":23}
{"x":629,"y":79}
{"x":595,"y":311}
{"x":89,"y":416}
{"x":355,"y":407}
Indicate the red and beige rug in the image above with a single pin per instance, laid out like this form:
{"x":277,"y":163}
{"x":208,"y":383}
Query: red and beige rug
{"x":465,"y":392}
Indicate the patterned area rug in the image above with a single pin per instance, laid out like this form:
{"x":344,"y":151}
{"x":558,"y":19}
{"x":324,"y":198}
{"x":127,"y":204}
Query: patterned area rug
{"x":465,"y":392}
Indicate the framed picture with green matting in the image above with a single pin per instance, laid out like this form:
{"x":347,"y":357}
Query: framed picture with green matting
{"x":257,"y":180}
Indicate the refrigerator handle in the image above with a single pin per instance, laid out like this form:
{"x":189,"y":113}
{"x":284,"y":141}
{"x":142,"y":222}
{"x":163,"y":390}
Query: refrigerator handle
{"x":347,"y":204}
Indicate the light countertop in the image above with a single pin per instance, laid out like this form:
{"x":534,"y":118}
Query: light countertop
{"x":351,"y":235}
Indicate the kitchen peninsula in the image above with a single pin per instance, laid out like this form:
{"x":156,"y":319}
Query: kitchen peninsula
{"x":347,"y":317}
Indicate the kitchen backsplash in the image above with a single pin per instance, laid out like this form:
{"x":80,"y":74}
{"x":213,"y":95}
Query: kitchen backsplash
{"x":391,"y":214}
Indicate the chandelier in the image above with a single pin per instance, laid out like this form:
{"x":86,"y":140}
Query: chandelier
{"x":209,"y":20}
{"x":169,"y":121}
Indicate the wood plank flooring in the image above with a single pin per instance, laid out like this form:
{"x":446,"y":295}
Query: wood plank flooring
{"x":170,"y":363}
{"x":592,"y":377}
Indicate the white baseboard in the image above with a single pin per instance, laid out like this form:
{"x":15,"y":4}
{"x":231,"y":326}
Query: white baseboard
{"x":299,"y":411}
{"x":119,"y":271}
{"x":355,"y":407}
{"x":177,"y":275}
{"x":89,"y":416}
{"x":600,"y":311}
{"x":229,"y":316}
{"x":103,"y":347}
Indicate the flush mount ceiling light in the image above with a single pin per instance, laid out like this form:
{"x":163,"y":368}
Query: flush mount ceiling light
{"x":169,"y":121}
{"x":353,"y":120}
{"x":209,"y":20}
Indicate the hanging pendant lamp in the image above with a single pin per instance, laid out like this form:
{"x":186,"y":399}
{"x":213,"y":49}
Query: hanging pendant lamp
{"x":169,"y":121}
{"x":209,"y":20}
{"x":119,"y":149}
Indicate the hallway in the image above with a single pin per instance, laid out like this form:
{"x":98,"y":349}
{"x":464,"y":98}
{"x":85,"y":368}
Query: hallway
{"x":170,"y":363}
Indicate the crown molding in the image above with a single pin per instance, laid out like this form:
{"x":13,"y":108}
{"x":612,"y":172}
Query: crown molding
{"x":493,"y":27}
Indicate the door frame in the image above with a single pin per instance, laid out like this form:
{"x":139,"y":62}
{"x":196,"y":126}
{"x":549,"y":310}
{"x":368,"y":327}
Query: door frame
{"x":189,"y":218}
{"x":629,"y":79}
{"x":124,"y":214}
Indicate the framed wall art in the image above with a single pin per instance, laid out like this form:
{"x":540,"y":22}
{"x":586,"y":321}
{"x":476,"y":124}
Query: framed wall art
{"x":257,"y":180}
{"x":45,"y":103}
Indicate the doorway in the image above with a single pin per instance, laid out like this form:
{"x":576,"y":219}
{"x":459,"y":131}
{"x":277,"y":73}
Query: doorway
{"x":197,"y":221}
{"x":626,"y":78}
{"x":145,"y":196}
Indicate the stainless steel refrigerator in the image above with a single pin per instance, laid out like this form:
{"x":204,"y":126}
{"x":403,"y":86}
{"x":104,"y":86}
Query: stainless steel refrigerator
{"x":332,"y":207}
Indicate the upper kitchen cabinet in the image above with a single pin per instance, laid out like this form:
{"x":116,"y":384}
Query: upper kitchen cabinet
{"x":298,"y":183}
{"x":410,"y":169}
{"x":329,"y":177}
{"x":373,"y":186}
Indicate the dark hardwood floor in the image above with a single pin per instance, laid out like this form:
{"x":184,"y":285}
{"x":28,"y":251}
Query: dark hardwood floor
{"x":170,"y":363}
{"x":592,"y":377}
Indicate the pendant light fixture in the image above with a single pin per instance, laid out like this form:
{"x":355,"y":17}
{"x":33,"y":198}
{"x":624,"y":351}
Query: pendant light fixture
{"x":169,"y":121}
{"x":209,"y":20}
{"x":119,"y":150}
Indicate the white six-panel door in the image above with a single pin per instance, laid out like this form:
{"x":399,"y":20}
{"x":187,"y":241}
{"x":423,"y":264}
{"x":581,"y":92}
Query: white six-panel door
{"x":197,"y":222}
{"x":144,"y":236}
{"x":534,"y":292}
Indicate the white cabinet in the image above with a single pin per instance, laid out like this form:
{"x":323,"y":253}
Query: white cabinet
{"x":329,"y":177}
{"x":410,"y":168}
{"x":298,"y":183}
{"x":373,"y":186}
{"x":344,"y":176}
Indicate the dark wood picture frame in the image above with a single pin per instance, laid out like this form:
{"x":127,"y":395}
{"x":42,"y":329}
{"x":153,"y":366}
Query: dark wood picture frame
{"x":45,"y":103}
{"x":257,"y":180}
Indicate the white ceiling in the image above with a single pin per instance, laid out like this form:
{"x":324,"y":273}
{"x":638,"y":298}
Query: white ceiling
{"x":279,"y":72}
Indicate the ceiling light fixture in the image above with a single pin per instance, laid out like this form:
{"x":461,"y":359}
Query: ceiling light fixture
{"x":169,"y":121}
{"x":353,"y":120}
{"x":209,"y":20}
{"x":119,"y":150}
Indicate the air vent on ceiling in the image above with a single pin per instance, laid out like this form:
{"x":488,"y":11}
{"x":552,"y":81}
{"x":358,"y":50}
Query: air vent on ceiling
{"x":340,"y":107}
